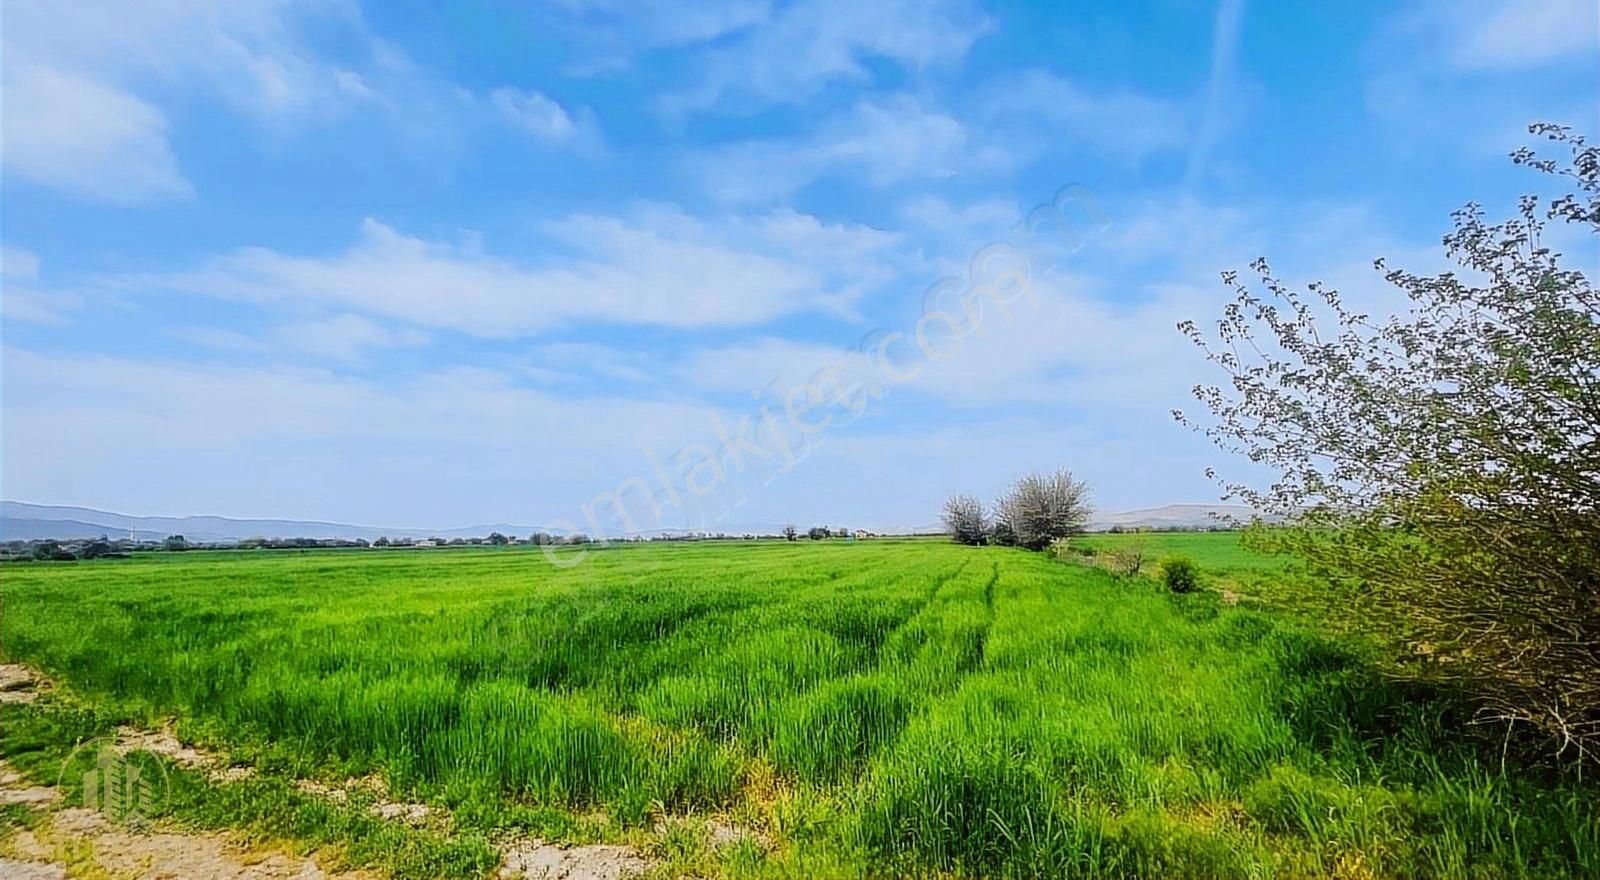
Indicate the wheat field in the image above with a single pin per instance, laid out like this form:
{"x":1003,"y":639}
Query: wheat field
{"x":862,"y":707}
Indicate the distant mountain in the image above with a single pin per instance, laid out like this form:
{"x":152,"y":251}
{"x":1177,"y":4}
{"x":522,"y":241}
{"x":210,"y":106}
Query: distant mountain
{"x":1174,"y":516}
{"x":20,"y":521}
{"x":19,"y":528}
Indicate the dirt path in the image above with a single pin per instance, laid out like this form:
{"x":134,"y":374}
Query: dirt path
{"x":548,"y":861}
{"x":74,"y":839}
{"x":77,"y":842}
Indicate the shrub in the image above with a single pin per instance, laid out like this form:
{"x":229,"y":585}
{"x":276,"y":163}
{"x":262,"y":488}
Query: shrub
{"x":1126,"y":559}
{"x":1180,"y":574}
{"x":50,"y":551}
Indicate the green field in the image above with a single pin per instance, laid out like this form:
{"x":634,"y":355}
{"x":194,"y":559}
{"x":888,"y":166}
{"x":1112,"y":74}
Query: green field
{"x":1217,"y":552}
{"x":868,"y":708}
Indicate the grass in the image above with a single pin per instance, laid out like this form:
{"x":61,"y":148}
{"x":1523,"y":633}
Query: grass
{"x":873,"y":708}
{"x":1217,"y":552}
{"x":1275,"y":583}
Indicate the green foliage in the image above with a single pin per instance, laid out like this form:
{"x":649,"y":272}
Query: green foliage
{"x":876,"y":707}
{"x":1180,"y":574}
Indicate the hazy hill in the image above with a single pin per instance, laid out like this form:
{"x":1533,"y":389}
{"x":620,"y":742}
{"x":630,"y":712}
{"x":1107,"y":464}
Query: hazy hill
{"x":20,"y":521}
{"x":1174,"y":516}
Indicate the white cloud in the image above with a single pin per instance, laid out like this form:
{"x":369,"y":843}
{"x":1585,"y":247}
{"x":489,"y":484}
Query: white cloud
{"x":448,"y":447}
{"x":559,"y":362}
{"x":21,"y":300}
{"x":886,"y":141}
{"x":987,"y":218}
{"x":1468,"y":76}
{"x":768,"y":366}
{"x":898,"y":139}
{"x":809,"y":44}
{"x":1051,"y":111}
{"x":81,"y":135}
{"x":222,"y":340}
{"x":343,"y":339}
{"x":93,"y":80}
{"x":1221,"y":89}
{"x":17,"y":264}
{"x":630,"y":25}
{"x":346,"y":337}
{"x":657,"y":266}
{"x":1519,"y":33}
{"x":248,"y":52}
{"x":1070,"y":346}
{"x":544,"y":118}
{"x":39,"y":307}
{"x":541,"y":116}
{"x":1100,"y":335}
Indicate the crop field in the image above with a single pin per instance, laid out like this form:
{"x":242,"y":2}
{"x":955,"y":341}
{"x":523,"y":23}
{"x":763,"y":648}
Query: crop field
{"x":860,"y":708}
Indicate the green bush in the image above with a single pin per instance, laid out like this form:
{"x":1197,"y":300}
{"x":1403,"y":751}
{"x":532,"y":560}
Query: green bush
{"x":1180,"y":574}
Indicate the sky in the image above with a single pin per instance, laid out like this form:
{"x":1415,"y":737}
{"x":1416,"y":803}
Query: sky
{"x":611,"y":266}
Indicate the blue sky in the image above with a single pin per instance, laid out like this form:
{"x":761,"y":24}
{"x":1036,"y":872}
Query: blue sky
{"x":434,"y":264}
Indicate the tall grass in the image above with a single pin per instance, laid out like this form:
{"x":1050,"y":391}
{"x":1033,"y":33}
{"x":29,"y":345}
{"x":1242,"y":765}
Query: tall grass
{"x":978,"y":711}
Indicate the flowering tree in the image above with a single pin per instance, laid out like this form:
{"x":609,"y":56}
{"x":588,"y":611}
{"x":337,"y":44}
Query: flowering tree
{"x":1443,"y":463}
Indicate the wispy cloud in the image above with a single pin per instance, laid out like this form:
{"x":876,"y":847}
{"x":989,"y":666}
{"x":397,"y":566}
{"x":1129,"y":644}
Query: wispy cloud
{"x":1467,"y":77}
{"x":342,"y":339}
{"x":612,"y":32}
{"x":657,"y":266}
{"x":461,"y":443}
{"x":77,"y":73}
{"x":80,"y":135}
{"x":1219,"y":89}
{"x":545,"y":118}
{"x":812,"y":43}
{"x":1051,"y":113}
{"x":883,"y":141}
{"x":1512,"y":34}
{"x":21,"y":297}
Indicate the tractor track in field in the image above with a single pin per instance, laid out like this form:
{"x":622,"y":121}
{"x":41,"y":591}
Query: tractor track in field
{"x":988,"y":604}
{"x":76,"y":841}
{"x":927,"y":601}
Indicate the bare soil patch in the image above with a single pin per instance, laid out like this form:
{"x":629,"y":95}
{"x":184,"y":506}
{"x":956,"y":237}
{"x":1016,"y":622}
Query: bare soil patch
{"x":123,"y":852}
{"x":538,"y":860}
{"x":19,"y":684}
{"x":84,"y":838}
